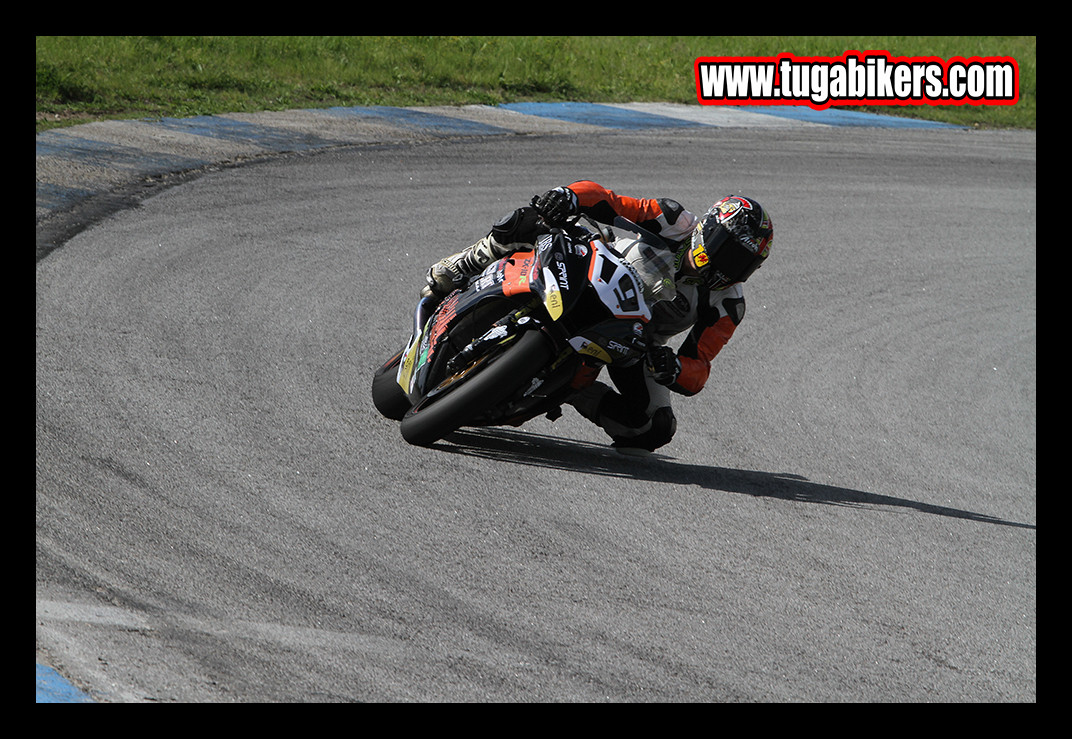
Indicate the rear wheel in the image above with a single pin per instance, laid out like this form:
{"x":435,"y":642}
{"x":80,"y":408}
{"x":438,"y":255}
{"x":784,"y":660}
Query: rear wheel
{"x":486,"y":385}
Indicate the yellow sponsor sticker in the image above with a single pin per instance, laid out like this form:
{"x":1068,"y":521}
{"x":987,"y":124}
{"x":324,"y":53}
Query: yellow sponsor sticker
{"x":553,"y":303}
{"x":595,"y":350}
{"x":699,"y":256}
{"x":405,"y":369}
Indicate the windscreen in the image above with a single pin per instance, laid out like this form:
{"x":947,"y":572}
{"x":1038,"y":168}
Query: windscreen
{"x":654,"y":266}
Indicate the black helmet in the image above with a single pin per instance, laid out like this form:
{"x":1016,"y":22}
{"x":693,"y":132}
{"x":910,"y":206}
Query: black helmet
{"x":731,"y":241}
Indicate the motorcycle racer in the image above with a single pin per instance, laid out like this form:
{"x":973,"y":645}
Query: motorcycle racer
{"x":714,"y":254}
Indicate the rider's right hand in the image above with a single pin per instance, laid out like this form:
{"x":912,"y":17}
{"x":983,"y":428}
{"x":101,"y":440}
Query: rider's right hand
{"x":663,"y":365}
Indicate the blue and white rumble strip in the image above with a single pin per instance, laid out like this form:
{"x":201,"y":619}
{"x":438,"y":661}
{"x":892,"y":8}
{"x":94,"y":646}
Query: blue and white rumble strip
{"x":76,"y":163}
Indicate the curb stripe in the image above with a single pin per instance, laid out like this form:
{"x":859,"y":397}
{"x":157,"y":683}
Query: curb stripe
{"x":605,"y":116}
{"x":227,"y":129}
{"x":838,"y":117}
{"x":416,"y":119}
{"x":51,"y":688}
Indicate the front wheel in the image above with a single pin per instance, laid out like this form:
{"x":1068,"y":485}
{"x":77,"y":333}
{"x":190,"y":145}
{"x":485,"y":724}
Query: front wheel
{"x":387,"y":395}
{"x":488,"y":385}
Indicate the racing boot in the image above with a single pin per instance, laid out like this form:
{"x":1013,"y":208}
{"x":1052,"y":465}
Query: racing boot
{"x":514,"y":231}
{"x":451,"y":273}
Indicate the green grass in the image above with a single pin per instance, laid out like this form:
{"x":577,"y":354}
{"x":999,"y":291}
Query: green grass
{"x":84,"y":78}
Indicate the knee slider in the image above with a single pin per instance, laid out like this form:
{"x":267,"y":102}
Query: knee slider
{"x":663,"y":426}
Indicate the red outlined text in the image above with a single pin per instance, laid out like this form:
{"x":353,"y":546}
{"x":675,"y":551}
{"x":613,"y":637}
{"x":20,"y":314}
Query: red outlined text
{"x":855,"y":78}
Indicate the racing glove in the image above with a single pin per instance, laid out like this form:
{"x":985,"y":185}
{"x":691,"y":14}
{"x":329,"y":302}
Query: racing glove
{"x":664,"y":365}
{"x":556,"y":205}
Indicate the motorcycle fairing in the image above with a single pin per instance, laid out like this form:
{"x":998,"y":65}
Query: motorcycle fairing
{"x":507,"y":278}
{"x":559,"y":274}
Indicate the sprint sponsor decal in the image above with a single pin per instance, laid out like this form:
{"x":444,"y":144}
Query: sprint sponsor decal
{"x":855,"y":78}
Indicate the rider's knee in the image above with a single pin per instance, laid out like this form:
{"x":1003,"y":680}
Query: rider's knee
{"x":663,"y":427}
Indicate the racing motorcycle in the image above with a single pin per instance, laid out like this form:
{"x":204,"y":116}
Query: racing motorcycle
{"x":528,"y":331}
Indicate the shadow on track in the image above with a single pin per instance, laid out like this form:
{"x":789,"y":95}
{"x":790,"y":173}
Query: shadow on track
{"x":504,"y":445}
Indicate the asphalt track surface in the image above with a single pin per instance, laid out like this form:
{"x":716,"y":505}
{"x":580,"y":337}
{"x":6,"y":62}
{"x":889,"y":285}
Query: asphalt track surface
{"x":847,"y":514}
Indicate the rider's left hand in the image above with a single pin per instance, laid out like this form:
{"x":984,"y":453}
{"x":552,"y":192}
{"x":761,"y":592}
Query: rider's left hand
{"x":556,"y":205}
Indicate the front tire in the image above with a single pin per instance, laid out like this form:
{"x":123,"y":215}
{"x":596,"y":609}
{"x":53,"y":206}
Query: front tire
{"x":387,"y":394}
{"x":424,"y":424}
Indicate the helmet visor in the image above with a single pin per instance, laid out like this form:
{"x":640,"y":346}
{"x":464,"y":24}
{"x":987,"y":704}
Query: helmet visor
{"x":721,"y":258}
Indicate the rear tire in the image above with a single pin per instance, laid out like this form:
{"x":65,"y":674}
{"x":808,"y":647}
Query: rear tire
{"x":424,"y":424}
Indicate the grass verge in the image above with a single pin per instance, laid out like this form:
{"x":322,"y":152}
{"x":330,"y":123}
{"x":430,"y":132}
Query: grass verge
{"x":85,"y":78}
